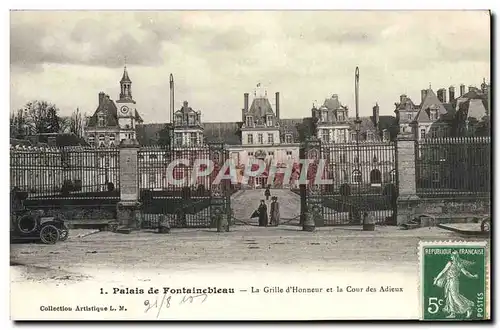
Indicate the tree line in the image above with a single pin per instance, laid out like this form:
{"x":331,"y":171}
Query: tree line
{"x":39,"y":117}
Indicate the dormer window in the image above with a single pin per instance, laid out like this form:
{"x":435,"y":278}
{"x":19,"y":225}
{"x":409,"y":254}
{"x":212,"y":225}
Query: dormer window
{"x":178,"y":120}
{"x":101,"y":120}
{"x":250,"y":139}
{"x":191,"y":119}
{"x":288,"y":138}
{"x":410,"y":116}
{"x":249,"y":122}
{"x":269,"y":120}
{"x":340,"y":116}
{"x":324,"y":116}
{"x":369,"y":136}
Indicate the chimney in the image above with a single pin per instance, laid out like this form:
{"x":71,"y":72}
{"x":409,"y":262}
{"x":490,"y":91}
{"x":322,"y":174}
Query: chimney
{"x":441,"y":94}
{"x":101,"y":98}
{"x":277,"y":105}
{"x":376,"y":113}
{"x":452,"y":93}
{"x":402,"y":98}
{"x":462,"y":89}
{"x":245,"y":103}
{"x":423,"y":94}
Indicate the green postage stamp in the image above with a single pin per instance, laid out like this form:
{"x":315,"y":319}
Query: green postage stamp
{"x":454,"y":281}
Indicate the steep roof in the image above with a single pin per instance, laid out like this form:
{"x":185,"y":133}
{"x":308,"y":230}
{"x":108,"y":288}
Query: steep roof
{"x":333,"y":103}
{"x":227,"y":132}
{"x":260,"y":107}
{"x":108,"y":107}
{"x":125,"y":77}
{"x":431,"y":100}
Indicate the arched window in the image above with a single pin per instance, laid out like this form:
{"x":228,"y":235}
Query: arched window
{"x":356,"y":176}
{"x":375,"y":177}
{"x":345,"y":176}
{"x":375,"y":159}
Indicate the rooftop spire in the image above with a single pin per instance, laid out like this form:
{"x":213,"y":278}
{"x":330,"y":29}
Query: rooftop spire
{"x":125,"y":77}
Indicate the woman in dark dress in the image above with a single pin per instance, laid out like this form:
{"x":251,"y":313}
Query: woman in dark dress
{"x":267,"y":193}
{"x":263,"y":218}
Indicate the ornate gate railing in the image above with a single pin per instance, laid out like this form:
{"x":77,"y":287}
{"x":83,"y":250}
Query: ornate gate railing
{"x":195,"y":202}
{"x":361,"y":178}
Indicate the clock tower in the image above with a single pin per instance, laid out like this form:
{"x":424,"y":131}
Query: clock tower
{"x":126,"y":108}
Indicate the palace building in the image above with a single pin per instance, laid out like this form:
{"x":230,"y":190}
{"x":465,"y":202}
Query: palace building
{"x":113,"y":121}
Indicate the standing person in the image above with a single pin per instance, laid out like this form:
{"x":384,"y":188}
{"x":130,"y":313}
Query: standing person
{"x":275,"y":211}
{"x":263,"y":218}
{"x":267,"y":193}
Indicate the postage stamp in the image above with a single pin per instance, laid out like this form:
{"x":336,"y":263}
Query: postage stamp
{"x":453,"y":281}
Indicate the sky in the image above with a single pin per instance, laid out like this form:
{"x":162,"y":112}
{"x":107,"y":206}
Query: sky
{"x":67,"y":58}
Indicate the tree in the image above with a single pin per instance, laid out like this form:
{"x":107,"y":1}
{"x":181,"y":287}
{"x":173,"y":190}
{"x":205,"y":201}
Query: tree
{"x":77,"y":122}
{"x":164,"y":136}
{"x":37,"y":117}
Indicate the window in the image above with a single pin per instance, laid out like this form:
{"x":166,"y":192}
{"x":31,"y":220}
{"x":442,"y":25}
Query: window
{"x":112,"y":140}
{"x":101,"y":120}
{"x":250,"y":153}
{"x":250,"y":139}
{"x":404,"y":129}
{"x":191,"y":119}
{"x":375,"y":159}
{"x":270,"y":138}
{"x":325,"y":116}
{"x":345,"y":176}
{"x":249,"y":121}
{"x":153,"y":156}
{"x":101,"y":140}
{"x":288,"y":138}
{"x":393,"y":176}
{"x":260,"y":138}
{"x":356,"y":159}
{"x":193,"y":138}
{"x":91,"y":140}
{"x":410,"y":116}
{"x":422,"y":133}
{"x":178,"y":119}
{"x":269,"y":120}
{"x":178,"y":139}
{"x":340,"y":116}
{"x":325,"y":135}
{"x":356,"y":176}
{"x":369,"y":136}
{"x":288,"y":153}
{"x":271,"y":153}
{"x":353,"y":136}
{"x":342,"y":135}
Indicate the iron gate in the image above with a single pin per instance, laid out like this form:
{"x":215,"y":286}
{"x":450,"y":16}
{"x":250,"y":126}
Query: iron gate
{"x":193,"y":204}
{"x":362,"y":178}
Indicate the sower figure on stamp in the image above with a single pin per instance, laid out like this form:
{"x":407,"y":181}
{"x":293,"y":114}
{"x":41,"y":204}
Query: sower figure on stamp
{"x":455,"y":303}
{"x":275,"y":211}
{"x":263,"y":218}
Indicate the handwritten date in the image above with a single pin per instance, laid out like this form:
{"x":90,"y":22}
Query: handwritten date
{"x":165,"y":302}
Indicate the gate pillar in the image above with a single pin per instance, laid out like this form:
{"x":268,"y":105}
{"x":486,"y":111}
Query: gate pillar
{"x":407,"y":199}
{"x":311,"y":201}
{"x":220,"y":200}
{"x":128,"y":207}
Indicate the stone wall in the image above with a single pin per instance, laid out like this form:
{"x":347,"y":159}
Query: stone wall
{"x":83,"y":214}
{"x":454,"y":210}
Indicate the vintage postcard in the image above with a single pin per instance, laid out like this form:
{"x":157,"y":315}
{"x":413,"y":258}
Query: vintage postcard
{"x":250,"y":165}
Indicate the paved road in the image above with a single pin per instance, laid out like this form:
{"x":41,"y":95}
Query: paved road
{"x":245,"y":202}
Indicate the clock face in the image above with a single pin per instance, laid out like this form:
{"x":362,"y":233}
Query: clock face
{"x":124,"y":109}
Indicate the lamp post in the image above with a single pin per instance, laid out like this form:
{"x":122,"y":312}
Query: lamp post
{"x":357,"y":128}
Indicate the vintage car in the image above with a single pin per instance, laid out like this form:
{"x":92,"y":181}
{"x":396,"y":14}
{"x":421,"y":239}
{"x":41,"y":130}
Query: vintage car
{"x":34,"y":224}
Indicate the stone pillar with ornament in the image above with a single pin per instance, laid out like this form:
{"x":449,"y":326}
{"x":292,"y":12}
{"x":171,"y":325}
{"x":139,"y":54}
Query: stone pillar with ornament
{"x":407,"y":200}
{"x":128,"y":208}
